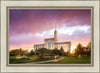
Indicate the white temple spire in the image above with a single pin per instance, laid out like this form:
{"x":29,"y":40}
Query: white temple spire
{"x":55,"y":33}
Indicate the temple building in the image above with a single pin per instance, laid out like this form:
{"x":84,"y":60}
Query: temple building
{"x":52,"y":43}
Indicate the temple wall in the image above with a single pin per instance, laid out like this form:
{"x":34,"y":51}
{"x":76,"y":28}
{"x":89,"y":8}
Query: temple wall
{"x":38,"y":47}
{"x":66,"y":47}
{"x":52,"y":44}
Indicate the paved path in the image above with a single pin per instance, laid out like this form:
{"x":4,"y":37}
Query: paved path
{"x":55,"y":60}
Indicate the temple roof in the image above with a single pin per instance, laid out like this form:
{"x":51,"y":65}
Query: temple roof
{"x":39,"y":45}
{"x":63,"y":43}
{"x":49,"y":39}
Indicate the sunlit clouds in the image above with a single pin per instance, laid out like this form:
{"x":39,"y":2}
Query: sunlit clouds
{"x":29,"y":27}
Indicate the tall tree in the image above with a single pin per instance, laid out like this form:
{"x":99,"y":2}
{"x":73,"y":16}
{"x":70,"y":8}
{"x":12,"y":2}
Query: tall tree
{"x":89,"y":49}
{"x":89,"y":46}
{"x":41,"y":52}
{"x":32,"y":52}
{"x":79,"y":49}
{"x":61,"y":51}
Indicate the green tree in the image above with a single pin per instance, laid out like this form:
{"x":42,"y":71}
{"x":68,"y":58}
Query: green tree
{"x":56,"y":51}
{"x":61,"y":51}
{"x":17,"y":52}
{"x":14,"y":52}
{"x":32,"y":52}
{"x":41,"y":52}
{"x":22,"y":52}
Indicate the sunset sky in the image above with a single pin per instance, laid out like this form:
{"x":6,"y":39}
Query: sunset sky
{"x":31,"y":26}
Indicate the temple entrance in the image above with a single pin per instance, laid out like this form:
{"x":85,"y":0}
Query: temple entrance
{"x":49,"y":45}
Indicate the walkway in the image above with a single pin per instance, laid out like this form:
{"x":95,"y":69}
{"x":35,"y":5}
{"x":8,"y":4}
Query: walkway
{"x":55,"y":60}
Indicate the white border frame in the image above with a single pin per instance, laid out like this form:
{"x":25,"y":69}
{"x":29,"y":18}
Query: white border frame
{"x":4,"y":68}
{"x":50,"y":65}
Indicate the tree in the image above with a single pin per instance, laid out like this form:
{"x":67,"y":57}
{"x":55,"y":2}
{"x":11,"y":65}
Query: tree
{"x":61,"y":51}
{"x":17,"y":52}
{"x":32,"y":52}
{"x":49,"y":52}
{"x":55,"y":51}
{"x":89,"y":49}
{"x":89,"y":46}
{"x":79,"y":50}
{"x":14,"y":52}
{"x":41,"y":52}
{"x":22,"y":52}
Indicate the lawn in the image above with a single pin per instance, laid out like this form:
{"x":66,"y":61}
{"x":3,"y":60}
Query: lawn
{"x":66,"y":60}
{"x":73,"y":60}
{"x":14,"y":60}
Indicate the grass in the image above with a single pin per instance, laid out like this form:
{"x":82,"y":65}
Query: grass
{"x":66,"y":60}
{"x":73,"y":60}
{"x":14,"y":60}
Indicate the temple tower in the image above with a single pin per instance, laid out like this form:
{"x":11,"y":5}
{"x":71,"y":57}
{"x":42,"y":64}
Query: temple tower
{"x":55,"y":34}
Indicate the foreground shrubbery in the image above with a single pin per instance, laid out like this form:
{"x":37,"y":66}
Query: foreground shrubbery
{"x":40,"y":52}
{"x":81,"y":55}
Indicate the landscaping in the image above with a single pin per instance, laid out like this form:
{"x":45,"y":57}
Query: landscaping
{"x":82,"y":55}
{"x":66,"y":60}
{"x":14,"y":60}
{"x":73,"y":60}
